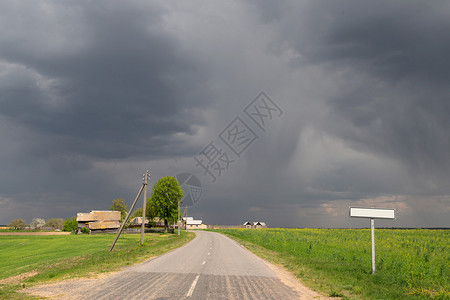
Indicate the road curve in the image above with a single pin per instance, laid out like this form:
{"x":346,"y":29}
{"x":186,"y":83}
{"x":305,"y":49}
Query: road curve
{"x":212,"y":266}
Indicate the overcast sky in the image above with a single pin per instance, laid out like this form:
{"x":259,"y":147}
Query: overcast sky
{"x":310,"y":107}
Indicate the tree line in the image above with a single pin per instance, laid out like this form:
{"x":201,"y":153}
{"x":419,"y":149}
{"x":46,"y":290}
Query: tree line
{"x":38,"y":223}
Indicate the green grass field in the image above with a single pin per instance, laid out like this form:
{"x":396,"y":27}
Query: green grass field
{"x":58,"y":257}
{"x":411,"y":264}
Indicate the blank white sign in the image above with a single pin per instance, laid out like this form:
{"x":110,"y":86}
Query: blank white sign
{"x":373,"y":213}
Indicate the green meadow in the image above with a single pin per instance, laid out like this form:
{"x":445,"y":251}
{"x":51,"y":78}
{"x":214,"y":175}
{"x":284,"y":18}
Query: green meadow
{"x":410,"y":264}
{"x":37,"y":259}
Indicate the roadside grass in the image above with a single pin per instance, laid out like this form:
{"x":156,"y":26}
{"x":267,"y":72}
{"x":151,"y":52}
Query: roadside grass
{"x":411,"y":264}
{"x":48,"y":258}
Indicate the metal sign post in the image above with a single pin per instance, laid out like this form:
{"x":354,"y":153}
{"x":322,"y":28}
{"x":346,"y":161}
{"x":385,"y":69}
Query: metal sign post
{"x":372,"y":213}
{"x":372,"y":239}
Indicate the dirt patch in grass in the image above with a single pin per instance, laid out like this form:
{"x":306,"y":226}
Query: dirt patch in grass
{"x":73,"y":288}
{"x":67,"y":263}
{"x":18,"y":279}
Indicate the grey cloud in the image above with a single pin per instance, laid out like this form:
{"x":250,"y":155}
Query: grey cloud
{"x":128,"y":86}
{"x":395,"y":101}
{"x":395,"y":40}
{"x":83,"y":83}
{"x":410,"y":128}
{"x":389,"y":63}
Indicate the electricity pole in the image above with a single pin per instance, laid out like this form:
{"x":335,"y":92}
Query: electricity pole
{"x":186,"y":216}
{"x":179,"y":223}
{"x":146,"y":176}
{"x":126,"y":218}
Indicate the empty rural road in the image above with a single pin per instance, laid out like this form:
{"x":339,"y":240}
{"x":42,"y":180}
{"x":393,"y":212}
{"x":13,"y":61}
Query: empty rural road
{"x":211,"y":266}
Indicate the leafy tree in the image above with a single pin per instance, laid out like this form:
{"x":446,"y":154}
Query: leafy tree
{"x":151,"y":211}
{"x":18,"y":224}
{"x":54,"y":223}
{"x":119,"y":205}
{"x":70,"y":224}
{"x":164,"y":200}
{"x":37,"y":223}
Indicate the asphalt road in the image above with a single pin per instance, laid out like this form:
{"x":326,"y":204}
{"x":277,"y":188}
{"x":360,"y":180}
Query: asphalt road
{"x":211,"y":266}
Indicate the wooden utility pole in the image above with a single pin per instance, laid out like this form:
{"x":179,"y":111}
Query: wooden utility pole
{"x":179,"y":223}
{"x":185,"y":215}
{"x":126,"y":218}
{"x":146,"y":176}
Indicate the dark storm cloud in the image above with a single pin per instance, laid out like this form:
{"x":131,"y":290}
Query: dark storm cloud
{"x":397,"y":40}
{"x":395,"y":101}
{"x":386,"y":110}
{"x":116,"y":83}
{"x":86,"y":82}
{"x":410,"y":128}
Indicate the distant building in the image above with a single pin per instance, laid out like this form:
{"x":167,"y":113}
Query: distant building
{"x":259,"y":225}
{"x":99,"y":220}
{"x":156,"y":222}
{"x":137,"y":221}
{"x":254,"y":225}
{"x":194,"y":224}
{"x":247,"y":225}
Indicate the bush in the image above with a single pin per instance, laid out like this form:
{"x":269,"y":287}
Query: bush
{"x":85,"y":230}
{"x":70,"y":224}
